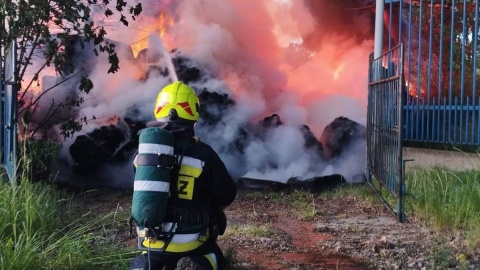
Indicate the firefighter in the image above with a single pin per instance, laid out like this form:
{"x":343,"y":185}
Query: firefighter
{"x":204,"y":189}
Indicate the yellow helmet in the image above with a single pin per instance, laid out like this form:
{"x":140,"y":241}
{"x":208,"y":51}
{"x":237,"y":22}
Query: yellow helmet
{"x":177,"y":102}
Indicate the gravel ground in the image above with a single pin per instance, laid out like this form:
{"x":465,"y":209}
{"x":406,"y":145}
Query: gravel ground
{"x":346,"y":233}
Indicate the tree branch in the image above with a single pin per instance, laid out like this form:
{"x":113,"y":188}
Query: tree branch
{"x":47,"y":90}
{"x":49,"y":115}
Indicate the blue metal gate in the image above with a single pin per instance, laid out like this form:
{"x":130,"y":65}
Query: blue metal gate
{"x":441,"y":39}
{"x":9,"y":113}
{"x":384,"y":128}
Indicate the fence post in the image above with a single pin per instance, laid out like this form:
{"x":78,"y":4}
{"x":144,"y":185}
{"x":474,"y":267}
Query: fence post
{"x":380,"y":8}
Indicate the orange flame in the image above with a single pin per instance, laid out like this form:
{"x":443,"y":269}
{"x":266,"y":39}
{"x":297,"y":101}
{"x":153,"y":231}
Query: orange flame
{"x":164,"y":21}
{"x":413,"y":90}
{"x":161,"y":26}
{"x":338,"y":70}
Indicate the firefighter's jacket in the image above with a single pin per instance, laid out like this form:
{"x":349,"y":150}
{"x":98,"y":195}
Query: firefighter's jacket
{"x":204,"y":188}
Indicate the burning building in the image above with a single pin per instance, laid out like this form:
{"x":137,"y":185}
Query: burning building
{"x":282,"y":85}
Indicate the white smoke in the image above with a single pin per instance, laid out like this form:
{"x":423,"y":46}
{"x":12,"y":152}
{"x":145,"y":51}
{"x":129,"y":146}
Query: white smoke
{"x":248,"y":46}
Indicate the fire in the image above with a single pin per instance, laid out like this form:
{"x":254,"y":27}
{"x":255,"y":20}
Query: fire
{"x":164,"y":21}
{"x":138,"y":46}
{"x":306,"y":61}
{"x":413,"y":90}
{"x":161,"y":26}
{"x":338,"y":70}
{"x":37,"y":86}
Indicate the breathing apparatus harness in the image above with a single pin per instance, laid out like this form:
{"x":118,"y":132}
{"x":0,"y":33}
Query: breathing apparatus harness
{"x":152,"y":234}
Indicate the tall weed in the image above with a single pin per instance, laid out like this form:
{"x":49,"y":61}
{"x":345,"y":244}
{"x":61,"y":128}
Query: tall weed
{"x":33,"y":234}
{"x":447,"y":199}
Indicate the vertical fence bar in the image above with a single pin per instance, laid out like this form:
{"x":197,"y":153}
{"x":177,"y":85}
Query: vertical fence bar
{"x":400,"y":22}
{"x":10,"y":113}
{"x":433,"y":119}
{"x":478,"y":122}
{"x":438,"y":116}
{"x":14,"y":133}
{"x":369,"y":122}
{"x":444,"y":120}
{"x":474,"y":69}
{"x":400,"y":115}
{"x":390,"y":26}
{"x":410,"y":125}
{"x":379,"y":11}
{"x":467,"y":113}
{"x":455,"y":121}
{"x":404,"y":89}
{"x":440,"y":68}
{"x":450,"y":85}
{"x":419,"y":68}
{"x":429,"y":73}
{"x":2,"y":104}
{"x":462,"y":76}
{"x":439,"y":119}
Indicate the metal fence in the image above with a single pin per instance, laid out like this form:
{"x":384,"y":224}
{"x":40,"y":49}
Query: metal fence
{"x":442,"y":104}
{"x":8,"y":119}
{"x":384,"y":122}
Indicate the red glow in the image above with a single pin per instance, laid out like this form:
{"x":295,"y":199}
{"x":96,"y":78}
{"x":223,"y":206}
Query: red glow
{"x":278,"y":56}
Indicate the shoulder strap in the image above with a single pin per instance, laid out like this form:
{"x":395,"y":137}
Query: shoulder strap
{"x":175,"y":173}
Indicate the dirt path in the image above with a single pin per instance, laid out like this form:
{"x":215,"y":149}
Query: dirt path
{"x":346,"y":233}
{"x":296,"y":244}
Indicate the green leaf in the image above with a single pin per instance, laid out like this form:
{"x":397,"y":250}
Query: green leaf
{"x":86,"y":85}
{"x":30,"y":21}
{"x":100,"y":36}
{"x":136,"y":10}
{"x":120,"y":5}
{"x":70,"y":127}
{"x":108,"y":12}
{"x":114,"y":63}
{"x":123,"y":19}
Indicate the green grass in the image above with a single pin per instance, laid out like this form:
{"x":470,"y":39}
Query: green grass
{"x":301,"y":201}
{"x":40,"y":229}
{"x":34,"y":235}
{"x":250,"y":230}
{"x":304,"y":203}
{"x":444,"y":199}
{"x":362,"y":191}
{"x":447,"y":199}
